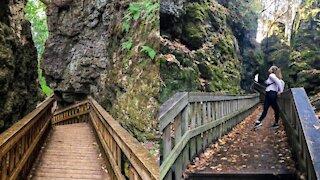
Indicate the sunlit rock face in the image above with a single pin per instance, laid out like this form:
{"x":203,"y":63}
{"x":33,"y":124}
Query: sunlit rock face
{"x":76,"y":51}
{"x":19,"y":89}
{"x":305,"y":57}
{"x":276,"y":52}
{"x":298,"y":60}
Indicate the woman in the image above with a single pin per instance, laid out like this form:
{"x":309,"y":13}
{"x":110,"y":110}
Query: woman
{"x":275,"y":85}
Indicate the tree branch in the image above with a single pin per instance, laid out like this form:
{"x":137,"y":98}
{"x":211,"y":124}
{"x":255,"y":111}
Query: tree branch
{"x":268,"y":6}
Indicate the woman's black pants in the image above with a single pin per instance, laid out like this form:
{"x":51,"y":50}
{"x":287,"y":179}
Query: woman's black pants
{"x":270,"y":100}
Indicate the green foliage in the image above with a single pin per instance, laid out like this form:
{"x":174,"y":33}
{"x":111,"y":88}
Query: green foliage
{"x":127,"y":45}
{"x":145,"y":9}
{"x":125,"y":27}
{"x":244,"y":13}
{"x":35,"y":13}
{"x":149,"y":50}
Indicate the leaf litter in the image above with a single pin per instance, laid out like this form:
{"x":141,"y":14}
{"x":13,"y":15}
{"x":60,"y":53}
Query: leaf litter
{"x":245,"y":150}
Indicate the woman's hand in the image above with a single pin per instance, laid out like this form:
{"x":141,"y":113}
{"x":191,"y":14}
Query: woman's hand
{"x":279,"y":94}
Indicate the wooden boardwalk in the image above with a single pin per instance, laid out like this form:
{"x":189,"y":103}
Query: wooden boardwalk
{"x":243,"y":151}
{"x":71,"y":152}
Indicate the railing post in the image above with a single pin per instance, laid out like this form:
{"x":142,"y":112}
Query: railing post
{"x":195,"y":123}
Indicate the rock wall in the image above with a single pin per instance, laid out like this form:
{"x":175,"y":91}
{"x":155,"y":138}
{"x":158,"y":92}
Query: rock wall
{"x":305,"y":57}
{"x":205,"y":47}
{"x":299,"y":60}
{"x":76,"y":50}
{"x":19,"y":89}
{"x":276,"y":51}
{"x":86,"y":55}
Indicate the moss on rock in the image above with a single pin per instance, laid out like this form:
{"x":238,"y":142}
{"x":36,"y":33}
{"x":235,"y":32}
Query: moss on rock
{"x":131,"y":85}
{"x":19,"y":91}
{"x":204,"y":57}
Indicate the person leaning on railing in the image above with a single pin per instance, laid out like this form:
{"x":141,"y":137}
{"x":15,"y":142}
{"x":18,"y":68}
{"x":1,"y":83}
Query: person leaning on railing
{"x":275,"y":86}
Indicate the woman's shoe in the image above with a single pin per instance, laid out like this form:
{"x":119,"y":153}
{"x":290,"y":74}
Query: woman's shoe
{"x":275,"y":125}
{"x":257,"y":124}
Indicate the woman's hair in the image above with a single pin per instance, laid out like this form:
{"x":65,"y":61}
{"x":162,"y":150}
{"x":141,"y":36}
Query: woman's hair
{"x":277,"y":71}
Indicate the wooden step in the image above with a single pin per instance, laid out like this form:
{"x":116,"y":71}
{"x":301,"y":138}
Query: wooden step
{"x":243,"y":176}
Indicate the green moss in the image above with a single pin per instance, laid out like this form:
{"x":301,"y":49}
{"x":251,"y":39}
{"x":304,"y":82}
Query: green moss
{"x":197,"y":12}
{"x":177,"y":78}
{"x":132,"y":82}
{"x":193,"y":28}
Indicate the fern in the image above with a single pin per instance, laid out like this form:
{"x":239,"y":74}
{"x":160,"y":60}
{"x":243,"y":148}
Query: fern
{"x":148,"y":50}
{"x":145,"y":9}
{"x":127,"y":45}
{"x":125,"y":27}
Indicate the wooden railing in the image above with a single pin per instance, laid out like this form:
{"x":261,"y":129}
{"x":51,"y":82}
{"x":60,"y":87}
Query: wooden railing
{"x":76,"y":113}
{"x":189,"y":122}
{"x":126,"y":158}
{"x":121,"y":148}
{"x":302,"y":128}
{"x":21,"y":143}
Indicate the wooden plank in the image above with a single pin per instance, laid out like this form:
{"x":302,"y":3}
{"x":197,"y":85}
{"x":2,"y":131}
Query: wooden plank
{"x":70,"y":153}
{"x":192,"y":126}
{"x":27,"y":154}
{"x":133,"y":174}
{"x":199,"y":124}
{"x":70,"y":117}
{"x":141,"y":160}
{"x":166,"y":136}
{"x":74,"y":106}
{"x":4,"y":167}
{"x":185,"y":119}
{"x":175,"y":152}
{"x":171,"y":108}
{"x":178,"y":167}
{"x":308,"y":135}
{"x":107,"y":149}
{"x":12,"y":135}
{"x":177,"y":128}
{"x":200,"y":97}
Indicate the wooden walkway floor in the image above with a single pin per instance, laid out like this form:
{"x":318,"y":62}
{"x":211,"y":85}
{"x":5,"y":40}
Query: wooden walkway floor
{"x":70,"y":153}
{"x":243,"y":150}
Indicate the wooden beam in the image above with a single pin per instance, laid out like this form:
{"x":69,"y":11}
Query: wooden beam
{"x":174,"y":154}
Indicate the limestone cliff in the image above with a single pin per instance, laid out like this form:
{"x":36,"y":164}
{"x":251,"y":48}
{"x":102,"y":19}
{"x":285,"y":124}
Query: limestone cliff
{"x":305,"y":56}
{"x":299,"y":60}
{"x":206,"y":45}
{"x":19,"y":89}
{"x":276,"y":51}
{"x":100,"y":48}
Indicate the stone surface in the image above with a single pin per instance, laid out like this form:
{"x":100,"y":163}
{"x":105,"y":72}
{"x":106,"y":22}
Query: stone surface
{"x":19,"y":89}
{"x":206,"y":47}
{"x":298,"y":60}
{"x":84,"y":56}
{"x":304,"y":61}
{"x":76,"y":51}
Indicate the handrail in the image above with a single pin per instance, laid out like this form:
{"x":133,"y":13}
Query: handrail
{"x":118,"y":145}
{"x":20,"y":144}
{"x":301,"y":125}
{"x":117,"y":142}
{"x":76,"y":113}
{"x":190,"y":121}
